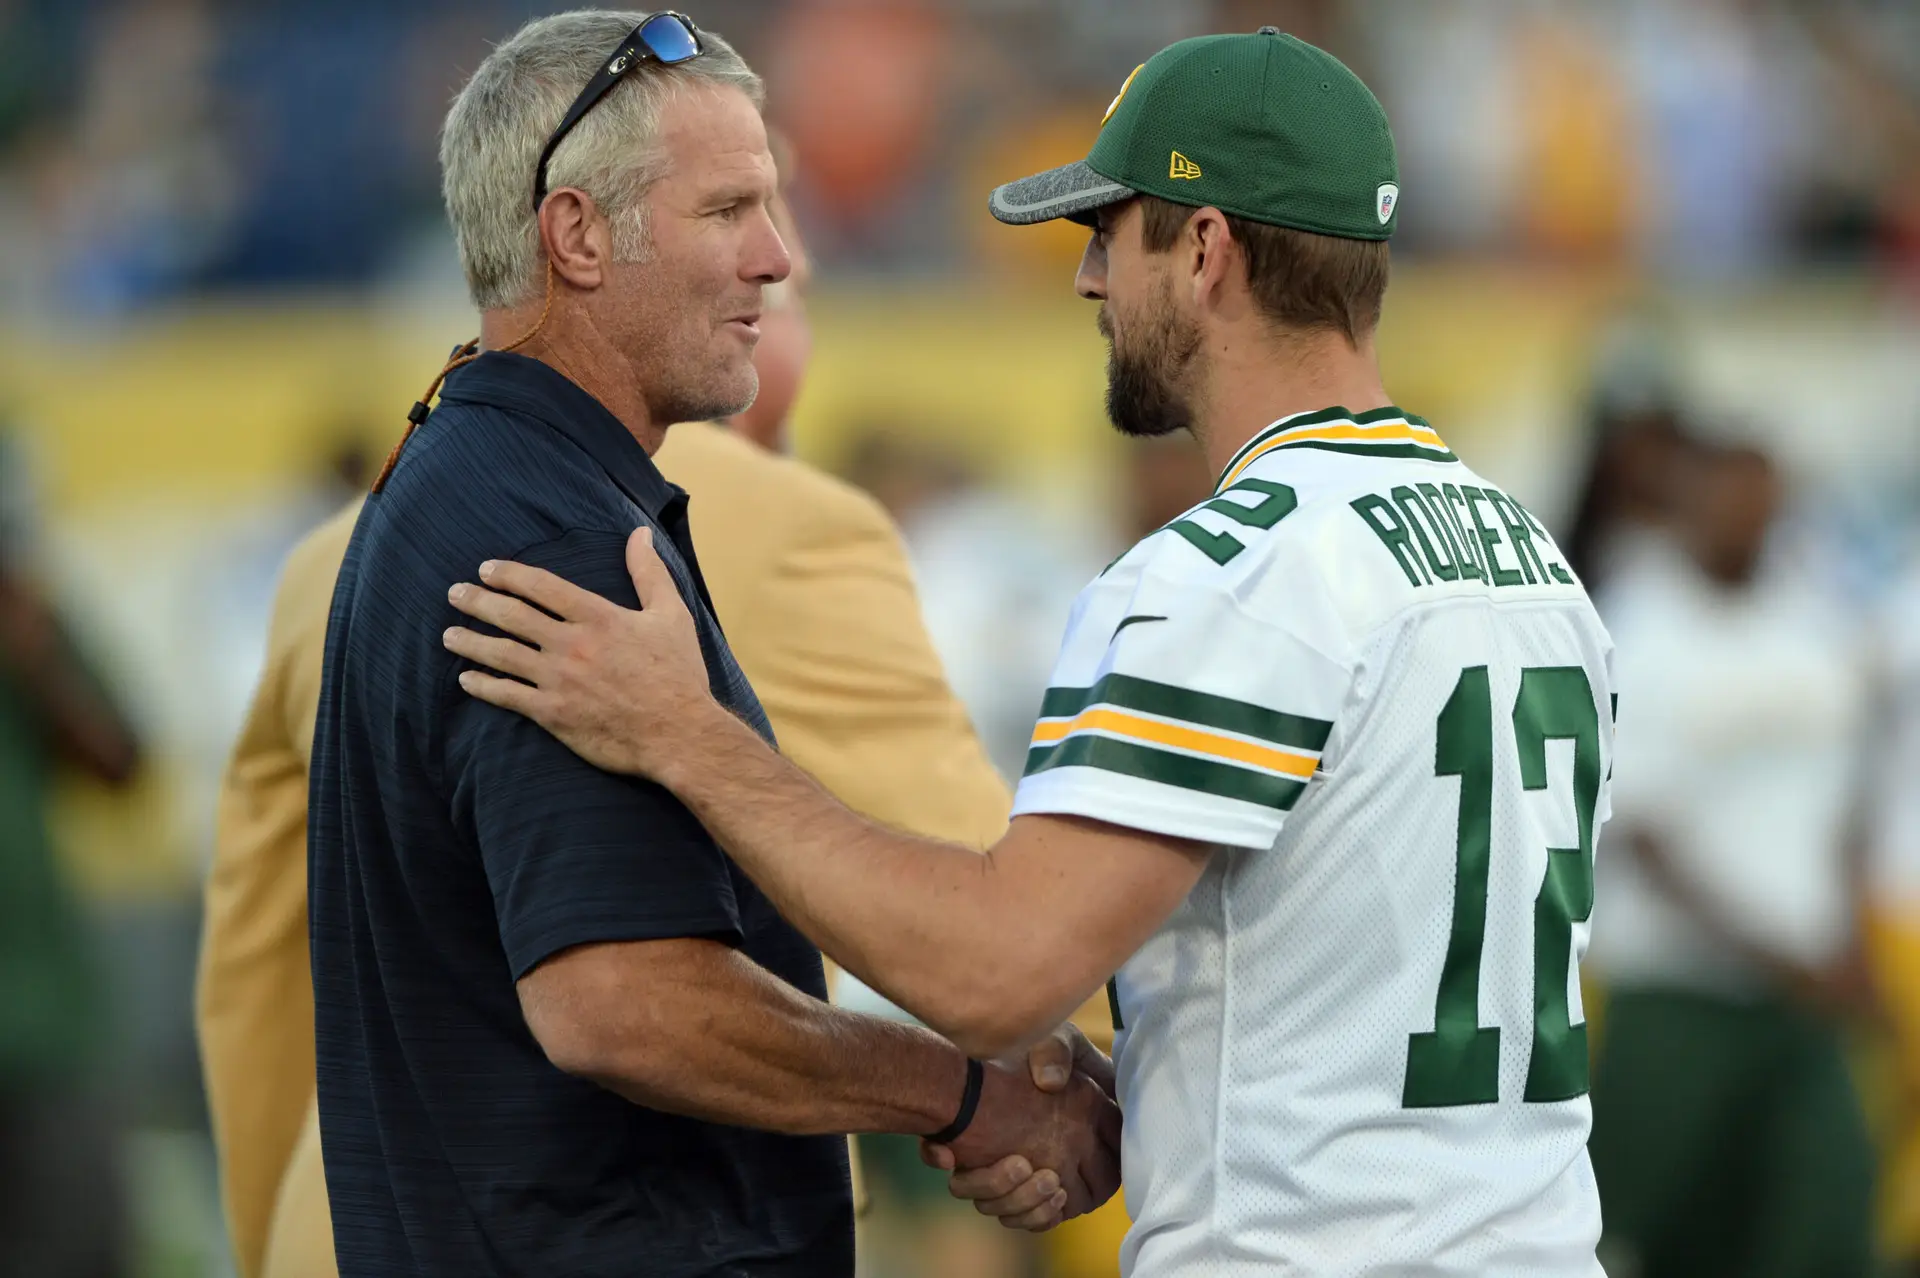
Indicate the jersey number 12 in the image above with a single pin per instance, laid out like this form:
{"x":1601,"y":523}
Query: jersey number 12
{"x":1458,"y":1062}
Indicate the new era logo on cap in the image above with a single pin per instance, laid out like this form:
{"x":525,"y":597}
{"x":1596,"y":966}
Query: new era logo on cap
{"x":1384,"y":199}
{"x":1182,"y":169}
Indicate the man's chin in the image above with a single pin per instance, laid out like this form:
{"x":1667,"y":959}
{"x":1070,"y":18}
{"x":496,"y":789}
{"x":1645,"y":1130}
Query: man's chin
{"x":1137,"y":422}
{"x":1136,"y":429}
{"x":725,"y":398}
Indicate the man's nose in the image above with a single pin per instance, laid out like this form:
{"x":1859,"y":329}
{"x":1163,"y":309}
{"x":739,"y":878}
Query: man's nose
{"x":1090,"y":281}
{"x":768,"y":261}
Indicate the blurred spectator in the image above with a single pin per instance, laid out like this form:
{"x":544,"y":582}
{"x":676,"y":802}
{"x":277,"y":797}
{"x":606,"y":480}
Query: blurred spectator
{"x":1727,"y":1137}
{"x":27,"y":67}
{"x":1576,"y":187}
{"x":1637,"y":442}
{"x":1624,"y":499}
{"x":178,"y":145}
{"x":996,"y":578}
{"x":1458,"y":137}
{"x":140,"y":199}
{"x":1724,"y":120}
{"x":61,"y":1208}
{"x":861,"y":87}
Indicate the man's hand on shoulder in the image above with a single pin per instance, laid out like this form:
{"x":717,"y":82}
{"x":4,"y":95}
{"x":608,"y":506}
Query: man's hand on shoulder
{"x":624,"y":689}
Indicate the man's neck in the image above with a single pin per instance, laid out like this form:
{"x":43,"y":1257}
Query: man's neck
{"x":578,"y":352}
{"x":1251,"y":385}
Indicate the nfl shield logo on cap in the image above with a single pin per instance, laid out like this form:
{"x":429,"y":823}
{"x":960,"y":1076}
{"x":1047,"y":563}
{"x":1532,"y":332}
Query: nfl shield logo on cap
{"x":1385,"y":198}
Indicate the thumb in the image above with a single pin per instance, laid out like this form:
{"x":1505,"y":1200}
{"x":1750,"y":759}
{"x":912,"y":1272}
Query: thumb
{"x":651,"y":580}
{"x":1051,"y":1061}
{"x":1094,"y":1063}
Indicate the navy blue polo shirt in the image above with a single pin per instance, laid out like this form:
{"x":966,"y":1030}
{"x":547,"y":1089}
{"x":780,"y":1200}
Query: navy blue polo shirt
{"x":453,"y":846}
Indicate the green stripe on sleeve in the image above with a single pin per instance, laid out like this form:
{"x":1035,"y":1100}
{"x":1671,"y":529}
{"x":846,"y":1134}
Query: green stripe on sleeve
{"x":1223,"y":780}
{"x":1128,"y":692}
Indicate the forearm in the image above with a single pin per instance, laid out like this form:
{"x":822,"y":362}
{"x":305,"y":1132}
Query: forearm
{"x":954,"y":945}
{"x":712,"y":1035}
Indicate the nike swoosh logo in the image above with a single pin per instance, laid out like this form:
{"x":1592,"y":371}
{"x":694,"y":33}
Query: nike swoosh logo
{"x":1129,"y":621}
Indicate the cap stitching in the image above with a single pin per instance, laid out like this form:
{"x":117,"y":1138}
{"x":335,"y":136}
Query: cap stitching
{"x":1266,"y":74}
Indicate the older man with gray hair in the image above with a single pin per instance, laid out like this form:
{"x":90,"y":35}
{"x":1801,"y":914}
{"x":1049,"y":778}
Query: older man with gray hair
{"x":558,"y":1031}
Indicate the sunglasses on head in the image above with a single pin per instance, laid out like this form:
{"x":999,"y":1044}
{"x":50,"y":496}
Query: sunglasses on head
{"x":665,"y":37}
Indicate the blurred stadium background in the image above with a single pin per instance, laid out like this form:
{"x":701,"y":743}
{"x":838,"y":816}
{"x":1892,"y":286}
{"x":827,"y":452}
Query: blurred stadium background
{"x":224,"y":276}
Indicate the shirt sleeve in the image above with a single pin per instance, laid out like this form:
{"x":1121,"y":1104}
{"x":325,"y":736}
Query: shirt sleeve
{"x":1187,"y":715}
{"x":574,"y":855}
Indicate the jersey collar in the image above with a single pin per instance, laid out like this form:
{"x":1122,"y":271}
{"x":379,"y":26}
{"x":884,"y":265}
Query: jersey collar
{"x":1386,"y":432}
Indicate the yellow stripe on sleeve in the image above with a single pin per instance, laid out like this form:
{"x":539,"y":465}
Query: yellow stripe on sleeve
{"x":1121,"y":724}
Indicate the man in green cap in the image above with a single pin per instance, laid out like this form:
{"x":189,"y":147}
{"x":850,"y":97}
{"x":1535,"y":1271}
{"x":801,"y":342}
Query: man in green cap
{"x":1319,"y":774}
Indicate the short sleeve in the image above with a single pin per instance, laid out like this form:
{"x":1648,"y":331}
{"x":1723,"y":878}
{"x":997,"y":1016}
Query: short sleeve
{"x":574,"y":855}
{"x":1187,"y":716}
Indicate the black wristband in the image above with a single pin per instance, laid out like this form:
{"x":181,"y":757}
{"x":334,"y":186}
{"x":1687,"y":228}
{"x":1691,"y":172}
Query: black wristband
{"x":969,"y":1101}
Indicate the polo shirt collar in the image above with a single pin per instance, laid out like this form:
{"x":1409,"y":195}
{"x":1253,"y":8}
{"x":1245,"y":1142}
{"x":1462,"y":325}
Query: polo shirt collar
{"x":520,"y":384}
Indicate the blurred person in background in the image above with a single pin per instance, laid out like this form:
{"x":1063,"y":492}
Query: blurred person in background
{"x":1623,"y":501}
{"x":253,"y":1003}
{"x":62,"y":1206}
{"x":997,"y":577}
{"x":1636,"y":439}
{"x":1727,"y":1136}
{"x":811,"y":581}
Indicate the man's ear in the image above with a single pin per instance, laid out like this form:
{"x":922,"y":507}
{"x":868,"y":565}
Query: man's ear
{"x":1212,"y":256}
{"x":577,"y":238}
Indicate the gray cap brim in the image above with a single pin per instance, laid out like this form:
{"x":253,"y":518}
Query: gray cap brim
{"x":1071,"y":191}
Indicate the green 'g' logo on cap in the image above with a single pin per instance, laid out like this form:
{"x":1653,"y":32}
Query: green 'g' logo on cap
{"x":1124,"y":86}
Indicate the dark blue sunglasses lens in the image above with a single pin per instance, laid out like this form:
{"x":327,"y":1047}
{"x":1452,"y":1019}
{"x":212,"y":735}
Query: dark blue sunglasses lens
{"x":668,"y":39}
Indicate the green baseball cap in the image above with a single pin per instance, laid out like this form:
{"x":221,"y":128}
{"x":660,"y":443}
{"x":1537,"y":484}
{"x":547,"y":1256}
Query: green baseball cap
{"x":1263,"y":126}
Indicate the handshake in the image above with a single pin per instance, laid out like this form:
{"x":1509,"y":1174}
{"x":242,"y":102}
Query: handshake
{"x":1044,"y":1144}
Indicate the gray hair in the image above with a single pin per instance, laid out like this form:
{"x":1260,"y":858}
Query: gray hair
{"x":501,"y":119}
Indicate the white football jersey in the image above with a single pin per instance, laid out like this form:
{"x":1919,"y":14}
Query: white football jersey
{"x":1368,"y":677}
